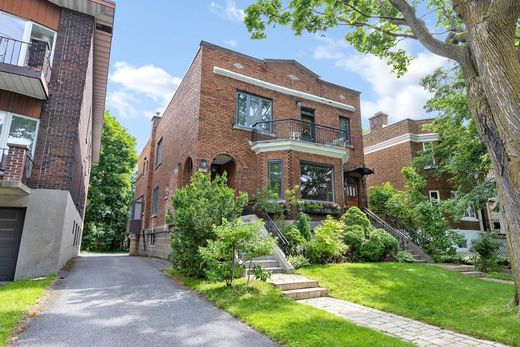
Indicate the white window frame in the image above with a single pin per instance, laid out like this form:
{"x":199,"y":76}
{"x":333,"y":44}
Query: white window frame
{"x":438,"y":195}
{"x":6,"y":128}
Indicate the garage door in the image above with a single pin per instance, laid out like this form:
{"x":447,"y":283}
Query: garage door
{"x":11,"y":225}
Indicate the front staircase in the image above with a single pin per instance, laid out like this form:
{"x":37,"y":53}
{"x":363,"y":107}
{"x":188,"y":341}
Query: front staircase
{"x":297,"y":287}
{"x":405,"y":241}
{"x":269,"y":263}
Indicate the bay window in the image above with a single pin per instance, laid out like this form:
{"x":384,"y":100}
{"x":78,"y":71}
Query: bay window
{"x":317,"y":181}
{"x":18,"y":129}
{"x":251,"y":109}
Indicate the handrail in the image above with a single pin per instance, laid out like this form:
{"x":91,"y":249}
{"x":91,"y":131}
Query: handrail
{"x":273,"y":229}
{"x":35,"y":58}
{"x":377,"y":221}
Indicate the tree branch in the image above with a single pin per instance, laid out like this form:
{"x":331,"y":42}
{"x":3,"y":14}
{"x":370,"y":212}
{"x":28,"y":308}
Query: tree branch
{"x":422,"y":33}
{"x":395,"y":20}
{"x":387,"y":32}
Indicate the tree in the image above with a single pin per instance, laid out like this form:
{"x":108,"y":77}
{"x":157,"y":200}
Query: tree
{"x":481,"y":36}
{"x":110,"y":189}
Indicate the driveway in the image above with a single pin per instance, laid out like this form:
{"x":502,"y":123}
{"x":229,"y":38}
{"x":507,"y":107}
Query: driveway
{"x":115,"y":300}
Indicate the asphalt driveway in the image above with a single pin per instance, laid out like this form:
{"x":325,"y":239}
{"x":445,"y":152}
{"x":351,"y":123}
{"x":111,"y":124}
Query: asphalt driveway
{"x":119,"y":300}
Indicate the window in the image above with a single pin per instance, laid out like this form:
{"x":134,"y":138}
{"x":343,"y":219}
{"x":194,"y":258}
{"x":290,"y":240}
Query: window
{"x":275,"y":177}
{"x":351,"y":190}
{"x":317,"y":181}
{"x":155,"y":201}
{"x":463,"y":243}
{"x":344,"y":124}
{"x":151,"y":239}
{"x":469,"y":214}
{"x":434,"y":195}
{"x":252,"y":109}
{"x":428,"y":149}
{"x":18,"y":129}
{"x":137,"y":209}
{"x":158,"y":153}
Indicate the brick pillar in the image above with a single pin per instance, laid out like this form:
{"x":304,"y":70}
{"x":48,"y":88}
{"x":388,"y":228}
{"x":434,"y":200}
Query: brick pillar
{"x":134,"y":245}
{"x":15,"y":162}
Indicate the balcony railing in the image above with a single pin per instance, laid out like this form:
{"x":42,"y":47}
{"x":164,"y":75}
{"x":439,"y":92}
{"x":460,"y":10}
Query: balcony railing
{"x":33,"y":55}
{"x":294,"y":129}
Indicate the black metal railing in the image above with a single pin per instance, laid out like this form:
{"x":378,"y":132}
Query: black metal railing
{"x":294,"y":129}
{"x":33,"y":55}
{"x":273,"y":229}
{"x":378,"y":222}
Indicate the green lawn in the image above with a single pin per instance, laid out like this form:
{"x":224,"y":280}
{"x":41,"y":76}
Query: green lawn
{"x":500,"y":276}
{"x":428,"y":293}
{"x":16,"y":298}
{"x":266,"y":309}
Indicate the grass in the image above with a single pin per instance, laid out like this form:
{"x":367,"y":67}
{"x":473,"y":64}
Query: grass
{"x":427,"y":293}
{"x":16,"y":299}
{"x":500,"y":276}
{"x":264,"y":308}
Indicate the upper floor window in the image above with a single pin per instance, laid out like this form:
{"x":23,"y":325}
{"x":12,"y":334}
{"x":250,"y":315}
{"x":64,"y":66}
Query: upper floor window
{"x":25,"y":43}
{"x":18,"y":130}
{"x":344,"y":124}
{"x":252,"y":109}
{"x":158,"y":153}
{"x":155,"y":201}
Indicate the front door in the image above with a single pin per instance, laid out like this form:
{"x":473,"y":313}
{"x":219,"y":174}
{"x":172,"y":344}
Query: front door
{"x":308,"y":125}
{"x":352,"y":191}
{"x":11,"y":226}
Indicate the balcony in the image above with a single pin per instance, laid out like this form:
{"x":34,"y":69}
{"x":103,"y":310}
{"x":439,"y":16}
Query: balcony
{"x":298,"y":135}
{"x":25,"y":67}
{"x":15,"y":168}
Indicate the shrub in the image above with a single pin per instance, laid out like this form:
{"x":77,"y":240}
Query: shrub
{"x":198,"y":206}
{"x":327,"y":244}
{"x":447,"y":258}
{"x":354,"y":237}
{"x":298,"y":261}
{"x":220,"y":256}
{"x":267,"y":202}
{"x":296,"y":241}
{"x":372,"y":250}
{"x":486,"y":247}
{"x":404,"y":257}
{"x":354,"y":216}
{"x":391,"y":246}
{"x":304,"y":226}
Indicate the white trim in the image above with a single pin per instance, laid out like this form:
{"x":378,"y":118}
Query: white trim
{"x":438,"y":195}
{"x":277,"y":88}
{"x":402,"y":139}
{"x":6,"y":129}
{"x":300,"y":146}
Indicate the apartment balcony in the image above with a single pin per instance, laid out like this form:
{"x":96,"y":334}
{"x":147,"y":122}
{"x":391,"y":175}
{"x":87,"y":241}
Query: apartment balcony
{"x":25,"y":67}
{"x":15,"y":168}
{"x":301,"y":136}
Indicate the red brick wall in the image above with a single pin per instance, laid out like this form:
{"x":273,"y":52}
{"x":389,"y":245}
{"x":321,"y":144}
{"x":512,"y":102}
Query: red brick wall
{"x":387,"y":164}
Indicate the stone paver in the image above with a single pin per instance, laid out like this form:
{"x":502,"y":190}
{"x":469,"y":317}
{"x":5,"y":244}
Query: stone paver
{"x":419,"y":333}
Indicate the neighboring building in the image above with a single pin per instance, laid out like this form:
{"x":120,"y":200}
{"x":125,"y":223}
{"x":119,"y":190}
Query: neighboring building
{"x":54,"y":57}
{"x":267,"y":123}
{"x":390,"y":147}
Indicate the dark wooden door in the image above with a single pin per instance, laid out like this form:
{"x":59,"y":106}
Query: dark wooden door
{"x":11,"y":226}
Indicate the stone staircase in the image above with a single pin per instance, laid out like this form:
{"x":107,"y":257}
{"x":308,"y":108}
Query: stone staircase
{"x":467,"y":270}
{"x":268,"y":263}
{"x":297,"y":287}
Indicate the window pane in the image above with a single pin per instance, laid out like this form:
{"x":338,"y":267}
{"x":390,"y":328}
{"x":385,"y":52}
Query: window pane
{"x":344,"y":124}
{"x":254,"y":110}
{"x":12,"y":28}
{"x":23,"y":131}
{"x":242,"y":109}
{"x":317,"y":182}
{"x":275,"y":178}
{"x":2,"y":122}
{"x":158,"y":155}
{"x":266,"y":115}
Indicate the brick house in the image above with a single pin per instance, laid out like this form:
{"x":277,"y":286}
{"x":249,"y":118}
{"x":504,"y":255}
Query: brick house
{"x":390,"y":147}
{"x":267,"y":123}
{"x":54,"y":57}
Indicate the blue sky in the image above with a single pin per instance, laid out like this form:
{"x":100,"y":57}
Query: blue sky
{"x":153,"y":46}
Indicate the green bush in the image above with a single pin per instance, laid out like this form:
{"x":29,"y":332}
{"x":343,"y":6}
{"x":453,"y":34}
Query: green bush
{"x":304,"y":226}
{"x":372,"y":250}
{"x":354,"y":237}
{"x":198,"y":207}
{"x":327,"y":244}
{"x":298,"y":261}
{"x":354,"y":216}
{"x":296,"y":241}
{"x":391,"y":246}
{"x":268,"y":202}
{"x":487,"y":248}
{"x":404,"y":257}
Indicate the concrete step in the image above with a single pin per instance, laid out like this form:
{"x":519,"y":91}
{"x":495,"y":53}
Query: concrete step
{"x":476,"y":274}
{"x":458,"y":267}
{"x":306,"y":293}
{"x":420,"y":261}
{"x":267,"y":257}
{"x":304,"y":284}
{"x":274,"y":270}
{"x":264,"y":263}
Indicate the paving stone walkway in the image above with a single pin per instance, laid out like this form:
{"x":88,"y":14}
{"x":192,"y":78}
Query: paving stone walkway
{"x":419,"y":333}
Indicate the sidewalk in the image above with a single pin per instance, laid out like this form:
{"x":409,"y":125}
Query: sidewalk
{"x":407,"y":329}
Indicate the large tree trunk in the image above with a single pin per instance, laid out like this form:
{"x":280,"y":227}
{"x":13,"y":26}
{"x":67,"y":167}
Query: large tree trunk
{"x":492,"y":74}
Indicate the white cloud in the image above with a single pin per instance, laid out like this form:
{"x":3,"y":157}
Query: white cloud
{"x":229,"y":12}
{"x":149,"y":80}
{"x":122,"y":103}
{"x":231,"y":43}
{"x":399,"y":97}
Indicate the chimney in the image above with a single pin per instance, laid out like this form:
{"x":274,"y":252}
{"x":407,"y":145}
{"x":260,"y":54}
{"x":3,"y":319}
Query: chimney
{"x":378,"y":121}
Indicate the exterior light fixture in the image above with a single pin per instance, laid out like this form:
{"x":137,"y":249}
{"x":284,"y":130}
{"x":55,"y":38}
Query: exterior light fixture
{"x":299,"y":104}
{"x":203,"y":165}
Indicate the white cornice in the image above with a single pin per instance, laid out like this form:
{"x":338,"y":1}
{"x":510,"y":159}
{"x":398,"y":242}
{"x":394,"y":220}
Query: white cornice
{"x":300,"y":146}
{"x":277,"y":88}
{"x":401,"y":139}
